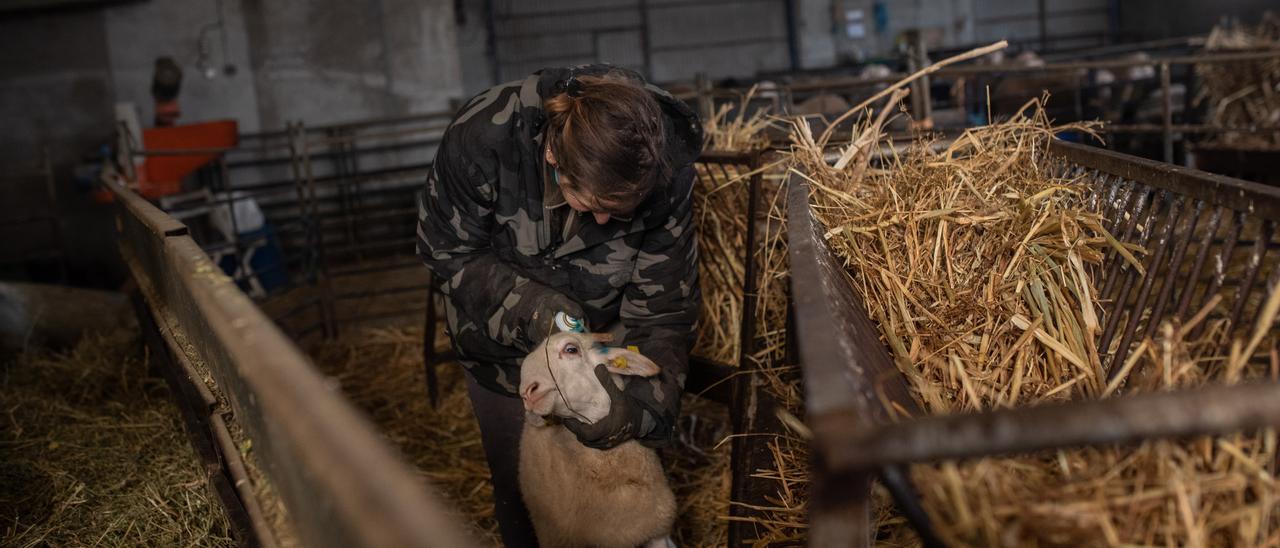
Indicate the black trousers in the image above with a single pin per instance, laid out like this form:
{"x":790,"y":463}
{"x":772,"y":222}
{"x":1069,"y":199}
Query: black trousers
{"x":501,"y":419}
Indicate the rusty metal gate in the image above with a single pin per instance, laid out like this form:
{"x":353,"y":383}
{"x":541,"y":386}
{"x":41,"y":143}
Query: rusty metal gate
{"x":338,"y":201}
{"x":976,"y":89}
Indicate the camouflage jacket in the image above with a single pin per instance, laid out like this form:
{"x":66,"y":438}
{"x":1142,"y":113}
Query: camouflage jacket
{"x":500,"y":239}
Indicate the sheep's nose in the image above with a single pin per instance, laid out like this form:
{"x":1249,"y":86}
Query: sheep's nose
{"x":529,"y":390}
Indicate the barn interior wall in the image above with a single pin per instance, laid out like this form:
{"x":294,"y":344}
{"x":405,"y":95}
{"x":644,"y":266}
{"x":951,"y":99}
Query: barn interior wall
{"x":322,"y":61}
{"x":55,"y":95}
{"x":1156,"y":19}
{"x":326,"y":61}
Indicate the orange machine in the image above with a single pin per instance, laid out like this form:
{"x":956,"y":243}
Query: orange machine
{"x":162,"y":174}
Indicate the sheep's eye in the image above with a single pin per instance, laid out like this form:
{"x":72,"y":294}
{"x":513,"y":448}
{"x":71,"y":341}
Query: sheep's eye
{"x":570,"y":349}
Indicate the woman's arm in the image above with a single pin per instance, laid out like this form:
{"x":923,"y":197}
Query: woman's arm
{"x":455,"y":219}
{"x":659,"y":309}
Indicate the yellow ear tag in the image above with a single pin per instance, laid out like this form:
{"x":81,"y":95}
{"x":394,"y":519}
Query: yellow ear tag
{"x":619,"y":362}
{"x":634,"y":348}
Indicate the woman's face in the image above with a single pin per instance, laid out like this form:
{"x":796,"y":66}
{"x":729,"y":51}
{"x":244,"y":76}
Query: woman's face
{"x":579,"y":204}
{"x":580,"y":200}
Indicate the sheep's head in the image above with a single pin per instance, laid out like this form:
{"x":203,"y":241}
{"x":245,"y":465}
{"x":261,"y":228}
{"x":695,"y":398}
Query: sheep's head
{"x":558,"y":377}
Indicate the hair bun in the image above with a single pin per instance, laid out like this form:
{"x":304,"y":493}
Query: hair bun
{"x":571,"y":86}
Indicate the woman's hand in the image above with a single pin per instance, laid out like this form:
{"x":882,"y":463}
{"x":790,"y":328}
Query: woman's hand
{"x":542,"y":322}
{"x":621,"y":424}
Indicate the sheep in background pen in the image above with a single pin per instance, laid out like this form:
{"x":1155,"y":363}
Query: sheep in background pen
{"x":576,"y":495}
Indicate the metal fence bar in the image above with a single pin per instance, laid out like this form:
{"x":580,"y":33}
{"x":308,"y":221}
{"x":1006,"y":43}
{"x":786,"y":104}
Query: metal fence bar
{"x":1130,"y":419}
{"x":198,"y":407}
{"x":753,"y":409}
{"x":848,"y":380}
{"x":342,"y":484}
{"x":1256,"y":199}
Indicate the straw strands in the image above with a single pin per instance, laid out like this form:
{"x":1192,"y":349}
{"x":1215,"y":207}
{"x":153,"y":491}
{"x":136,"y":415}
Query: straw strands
{"x":785,"y":520}
{"x":740,"y":130}
{"x":720,"y":210}
{"x":380,"y":370}
{"x":957,"y":250}
{"x":1243,"y":93}
{"x":94,"y":453}
{"x":978,"y":262}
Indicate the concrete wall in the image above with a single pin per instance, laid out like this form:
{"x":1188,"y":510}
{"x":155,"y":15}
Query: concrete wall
{"x":321,"y":61}
{"x":326,"y":61}
{"x":944,"y":23}
{"x":55,"y":86}
{"x":1068,"y":23}
{"x":955,"y":23}
{"x":138,"y":33}
{"x":475,"y":58}
{"x":55,"y":94}
{"x":667,"y":40}
{"x":815,"y":24}
{"x":721,"y":39}
{"x":1155,"y":19}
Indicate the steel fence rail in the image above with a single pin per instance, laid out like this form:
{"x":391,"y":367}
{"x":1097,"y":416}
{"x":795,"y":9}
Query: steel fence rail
{"x":340,"y":481}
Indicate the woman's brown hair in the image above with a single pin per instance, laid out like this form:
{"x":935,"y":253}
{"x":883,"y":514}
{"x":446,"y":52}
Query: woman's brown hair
{"x":608,"y":139}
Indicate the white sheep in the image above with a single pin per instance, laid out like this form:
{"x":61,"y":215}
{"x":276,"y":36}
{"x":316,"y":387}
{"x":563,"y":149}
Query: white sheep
{"x":576,"y":495}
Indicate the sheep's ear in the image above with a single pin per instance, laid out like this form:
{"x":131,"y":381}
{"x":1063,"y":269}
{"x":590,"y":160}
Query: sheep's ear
{"x":625,"y":361}
{"x":601,"y":337}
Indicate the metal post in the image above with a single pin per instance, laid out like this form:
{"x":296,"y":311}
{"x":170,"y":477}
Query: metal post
{"x":327,"y":301}
{"x":753,"y":408}
{"x":644,"y":39}
{"x":1044,"y":27}
{"x":241,"y":273}
{"x":1114,"y":21}
{"x":429,"y":343}
{"x":793,"y":47}
{"x":341,"y":168}
{"x":491,"y":41}
{"x":921,"y":102}
{"x":1079,"y":97}
{"x":703,"y":89}
{"x":55,"y":220}
{"x":1167,"y":105}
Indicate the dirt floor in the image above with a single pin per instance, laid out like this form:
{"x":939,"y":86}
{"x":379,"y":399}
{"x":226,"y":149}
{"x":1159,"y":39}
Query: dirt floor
{"x":92,"y":453}
{"x":380,"y":370}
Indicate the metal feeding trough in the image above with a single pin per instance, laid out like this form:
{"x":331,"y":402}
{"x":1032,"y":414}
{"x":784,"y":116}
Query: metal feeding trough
{"x":1195,"y":226}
